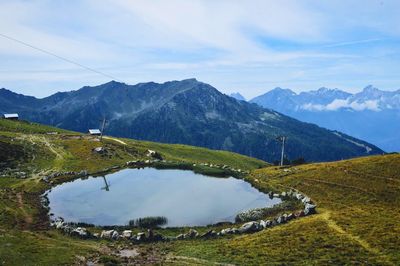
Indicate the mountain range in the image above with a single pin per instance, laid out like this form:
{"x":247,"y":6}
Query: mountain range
{"x":372,"y":114}
{"x":186,"y":112}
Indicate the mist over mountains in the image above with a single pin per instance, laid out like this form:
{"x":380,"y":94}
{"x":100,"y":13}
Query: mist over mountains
{"x":186,"y":112}
{"x":372,"y":114}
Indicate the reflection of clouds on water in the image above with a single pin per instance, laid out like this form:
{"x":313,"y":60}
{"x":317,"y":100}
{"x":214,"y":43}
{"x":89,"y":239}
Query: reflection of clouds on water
{"x":183,"y":197}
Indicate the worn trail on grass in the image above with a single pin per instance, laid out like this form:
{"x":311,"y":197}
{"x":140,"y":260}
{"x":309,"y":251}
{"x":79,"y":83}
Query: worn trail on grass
{"x":117,"y":140}
{"x":59,"y":152}
{"x":326,"y":216}
{"x":27,"y":217}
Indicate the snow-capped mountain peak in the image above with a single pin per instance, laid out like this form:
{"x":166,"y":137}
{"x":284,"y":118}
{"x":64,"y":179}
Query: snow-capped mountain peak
{"x":370,"y":114}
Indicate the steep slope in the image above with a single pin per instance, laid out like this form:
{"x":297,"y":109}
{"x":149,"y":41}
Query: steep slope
{"x":190,"y":112}
{"x":372,"y":114}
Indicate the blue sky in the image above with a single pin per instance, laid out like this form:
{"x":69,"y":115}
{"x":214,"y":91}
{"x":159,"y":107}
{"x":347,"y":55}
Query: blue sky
{"x":244,"y":46}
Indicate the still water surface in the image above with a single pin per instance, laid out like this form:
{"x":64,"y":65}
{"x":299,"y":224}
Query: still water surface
{"x":184,"y":197}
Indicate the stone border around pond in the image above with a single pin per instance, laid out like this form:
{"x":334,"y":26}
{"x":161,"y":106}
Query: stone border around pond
{"x":150,"y":236}
{"x":142,"y":237}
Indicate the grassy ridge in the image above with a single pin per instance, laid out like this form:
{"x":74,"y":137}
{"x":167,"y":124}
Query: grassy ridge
{"x":73,"y":151}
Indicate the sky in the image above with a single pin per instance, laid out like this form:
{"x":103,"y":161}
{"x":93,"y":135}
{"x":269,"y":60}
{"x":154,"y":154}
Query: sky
{"x":248,"y":46}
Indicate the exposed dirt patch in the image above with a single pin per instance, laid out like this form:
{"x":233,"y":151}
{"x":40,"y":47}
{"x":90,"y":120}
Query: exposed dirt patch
{"x":27,"y":217}
{"x":128,"y":253}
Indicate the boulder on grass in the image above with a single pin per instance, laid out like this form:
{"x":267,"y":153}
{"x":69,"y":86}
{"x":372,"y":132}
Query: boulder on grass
{"x":191,"y":234}
{"x":290,"y":217}
{"x":180,"y":236}
{"x":281,"y":219}
{"x":250,"y":227}
{"x":80,"y":232}
{"x":141,"y":237}
{"x":306,"y":200}
{"x":263,"y":224}
{"x":227,"y":231}
{"x":115,"y":235}
{"x":299,"y":196}
{"x":210,"y":233}
{"x":268,"y":223}
{"x":127,"y":234}
{"x":99,"y":150}
{"x":309,"y":209}
{"x":108,"y":234}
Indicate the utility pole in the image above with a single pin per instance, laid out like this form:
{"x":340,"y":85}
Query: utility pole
{"x":103,"y":125}
{"x":282,"y":139}
{"x":283,"y":149}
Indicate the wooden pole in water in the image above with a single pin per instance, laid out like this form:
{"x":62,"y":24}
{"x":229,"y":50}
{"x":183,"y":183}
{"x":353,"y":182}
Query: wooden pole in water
{"x":107,"y":187}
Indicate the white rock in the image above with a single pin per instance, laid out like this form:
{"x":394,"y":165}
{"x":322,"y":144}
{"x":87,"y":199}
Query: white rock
{"x":127,"y":234}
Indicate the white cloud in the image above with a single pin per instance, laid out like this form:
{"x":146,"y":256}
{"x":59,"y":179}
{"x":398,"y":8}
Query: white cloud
{"x":245,"y":46}
{"x":223,"y":24}
{"x":339,"y":104}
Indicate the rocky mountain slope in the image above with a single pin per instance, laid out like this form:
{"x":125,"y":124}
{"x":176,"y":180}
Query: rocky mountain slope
{"x":187,"y":112}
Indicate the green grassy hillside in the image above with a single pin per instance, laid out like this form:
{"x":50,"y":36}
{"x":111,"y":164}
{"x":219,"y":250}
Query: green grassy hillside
{"x":69,"y":148}
{"x":357,"y":221}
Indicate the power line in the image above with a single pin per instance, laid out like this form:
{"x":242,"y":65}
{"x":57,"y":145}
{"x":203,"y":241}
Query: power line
{"x":57,"y":56}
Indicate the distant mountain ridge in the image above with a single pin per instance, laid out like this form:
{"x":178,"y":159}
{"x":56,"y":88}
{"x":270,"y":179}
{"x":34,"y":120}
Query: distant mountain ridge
{"x":187,"y":112}
{"x":372,"y":114}
{"x":237,"y":96}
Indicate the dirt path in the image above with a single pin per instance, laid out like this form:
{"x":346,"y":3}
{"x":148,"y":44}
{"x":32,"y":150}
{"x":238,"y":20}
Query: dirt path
{"x":27,"y":217}
{"x":59,"y":152}
{"x":117,"y":140}
{"x":326,"y":216}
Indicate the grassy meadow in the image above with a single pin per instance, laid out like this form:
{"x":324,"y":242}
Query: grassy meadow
{"x":358,"y":219}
